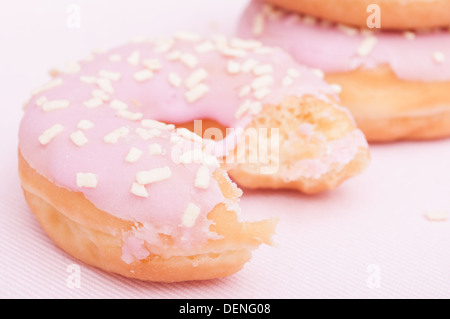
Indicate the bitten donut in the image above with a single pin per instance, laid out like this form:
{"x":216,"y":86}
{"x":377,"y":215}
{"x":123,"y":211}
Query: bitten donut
{"x":394,"y":14}
{"x":116,"y":178}
{"x":394,"y":83}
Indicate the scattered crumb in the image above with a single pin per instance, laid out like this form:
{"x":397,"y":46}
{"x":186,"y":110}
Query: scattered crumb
{"x":437,"y":216}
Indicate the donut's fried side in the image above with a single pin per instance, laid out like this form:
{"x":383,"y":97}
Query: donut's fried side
{"x":95,"y":237}
{"x":387,"y":108}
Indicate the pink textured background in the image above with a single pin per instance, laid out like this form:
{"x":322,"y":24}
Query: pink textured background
{"x":327,"y":246}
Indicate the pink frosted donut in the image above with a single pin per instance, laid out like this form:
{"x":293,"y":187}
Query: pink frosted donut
{"x":117,"y":180}
{"x":394,"y":83}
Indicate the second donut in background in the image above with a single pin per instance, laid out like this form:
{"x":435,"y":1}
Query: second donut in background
{"x":395,"y":83}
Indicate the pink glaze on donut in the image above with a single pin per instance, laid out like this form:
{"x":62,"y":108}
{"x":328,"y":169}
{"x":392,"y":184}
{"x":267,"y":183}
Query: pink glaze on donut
{"x":92,"y":128}
{"x":416,"y":56}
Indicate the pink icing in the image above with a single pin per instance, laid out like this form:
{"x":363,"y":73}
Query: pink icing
{"x":327,"y":47}
{"x":162,"y":211}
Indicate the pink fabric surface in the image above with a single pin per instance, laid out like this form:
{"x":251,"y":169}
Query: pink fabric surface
{"x":368,"y":239}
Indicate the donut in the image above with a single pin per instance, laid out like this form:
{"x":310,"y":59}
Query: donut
{"x":116,"y":176}
{"x":393,"y":14}
{"x":395,"y":84}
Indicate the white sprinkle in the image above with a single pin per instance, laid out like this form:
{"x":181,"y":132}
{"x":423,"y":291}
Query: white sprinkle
{"x":263,"y":69}
{"x":196,"y":78}
{"x":196,"y":93}
{"x":188,"y":36}
{"x":175,"y":80}
{"x":261,"y":93}
{"x":49,"y":85}
{"x":243,"y":109}
{"x":134,"y":154}
{"x":55,"y":105}
{"x":245,"y":90}
{"x":190,"y":215}
{"x":115,"y":135}
{"x":367,"y":46}
{"x":139,"y":190}
{"x":78,"y":138}
{"x":249,"y":65}
{"x":113,"y":76}
{"x":88,"y":79}
{"x":50,"y":134}
{"x":319,"y":73}
{"x":105,"y":85}
{"x":409,"y":35}
{"x":129,"y":115}
{"x":149,"y":123}
{"x":264,"y":50}
{"x":164,"y":45}
{"x":437,"y":215}
{"x":143,"y":75}
{"x":153,"y":175}
{"x":189,"y":135}
{"x":258,"y":25}
{"x":93,"y":102}
{"x":439,"y":57}
{"x":232,"y":52}
{"x":336,"y":88}
{"x":205,"y":47}
{"x":287,"y":81}
{"x":85,"y":125}
{"x":210,"y":161}
{"x":293,"y":73}
{"x":245,"y":44}
{"x":191,"y":156}
{"x":202,"y":178}
{"x":233,"y":67}
{"x":133,"y":58}
{"x":118,"y":105}
{"x":153,"y":64}
{"x":115,"y":58}
{"x":262,"y":82}
{"x":40,"y":101}
{"x":220,"y":40}
{"x":175,"y":139}
{"x":189,"y":60}
{"x":254,"y":107}
{"x":155,"y":149}
{"x":173,"y":56}
{"x":100,"y":94}
{"x":350,"y":31}
{"x":71,"y":67}
{"x":87,"y":180}
{"x":147,"y":134}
